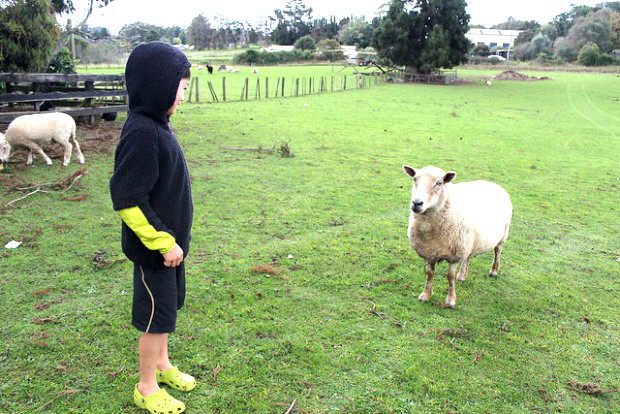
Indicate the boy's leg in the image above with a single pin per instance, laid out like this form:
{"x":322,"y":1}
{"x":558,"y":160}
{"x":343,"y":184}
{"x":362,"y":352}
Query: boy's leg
{"x":150,"y":350}
{"x":163,"y":363}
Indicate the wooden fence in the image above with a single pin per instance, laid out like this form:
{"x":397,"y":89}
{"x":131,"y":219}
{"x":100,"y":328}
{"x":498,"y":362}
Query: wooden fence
{"x":76,"y":95}
{"x":283,"y":87}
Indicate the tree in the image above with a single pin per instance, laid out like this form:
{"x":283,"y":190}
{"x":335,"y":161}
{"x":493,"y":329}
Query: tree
{"x":28,"y":33}
{"x":588,"y":55}
{"x":138,"y":32}
{"x":294,"y":21}
{"x":66,"y":6}
{"x":481,"y":50}
{"x":430,"y":35}
{"x":614,"y":25}
{"x":357,"y":32}
{"x":305,"y":43}
{"x":513,"y":24}
{"x":198,"y":33}
{"x":152,"y":35}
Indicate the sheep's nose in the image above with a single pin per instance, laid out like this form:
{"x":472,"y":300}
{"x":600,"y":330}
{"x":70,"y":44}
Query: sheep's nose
{"x":416,"y":205}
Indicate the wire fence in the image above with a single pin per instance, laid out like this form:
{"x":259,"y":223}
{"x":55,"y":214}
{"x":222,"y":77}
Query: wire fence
{"x":280,"y":87}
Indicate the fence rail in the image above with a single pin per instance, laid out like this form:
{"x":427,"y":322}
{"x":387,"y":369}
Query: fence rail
{"x":79,"y":95}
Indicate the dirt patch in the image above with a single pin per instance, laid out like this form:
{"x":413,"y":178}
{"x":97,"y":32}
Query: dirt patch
{"x":516,"y":76}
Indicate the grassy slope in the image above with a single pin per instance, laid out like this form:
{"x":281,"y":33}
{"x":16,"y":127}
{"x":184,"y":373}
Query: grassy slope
{"x":333,"y":220}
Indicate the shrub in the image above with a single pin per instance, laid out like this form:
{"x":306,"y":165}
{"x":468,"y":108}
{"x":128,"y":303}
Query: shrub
{"x":328,"y":45}
{"x":605,"y":59}
{"x":252,"y":57}
{"x":62,"y":62}
{"x":589,"y":54}
{"x":305,"y":43}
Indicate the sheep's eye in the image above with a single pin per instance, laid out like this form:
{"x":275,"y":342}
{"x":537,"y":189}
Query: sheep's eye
{"x":438,"y":183}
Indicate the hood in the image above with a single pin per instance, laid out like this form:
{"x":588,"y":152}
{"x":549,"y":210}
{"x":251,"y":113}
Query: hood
{"x":152,"y":76}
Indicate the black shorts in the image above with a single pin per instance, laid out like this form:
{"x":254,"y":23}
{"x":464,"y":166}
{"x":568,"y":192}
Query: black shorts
{"x":157,"y":295}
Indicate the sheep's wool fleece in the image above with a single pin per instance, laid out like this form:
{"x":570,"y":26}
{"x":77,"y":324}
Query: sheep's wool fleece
{"x":150,"y":170}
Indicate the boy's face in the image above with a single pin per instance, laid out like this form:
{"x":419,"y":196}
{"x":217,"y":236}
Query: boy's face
{"x":180,"y":96}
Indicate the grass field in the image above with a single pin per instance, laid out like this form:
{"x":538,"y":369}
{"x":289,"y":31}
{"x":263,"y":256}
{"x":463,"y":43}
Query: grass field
{"x":336,"y":327}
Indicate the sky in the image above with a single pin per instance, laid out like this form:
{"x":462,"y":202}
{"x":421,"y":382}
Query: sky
{"x":167,"y":13}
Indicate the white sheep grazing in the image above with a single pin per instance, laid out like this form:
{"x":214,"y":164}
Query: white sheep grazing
{"x":234,"y":70}
{"x":5,"y":150}
{"x":455,"y":222}
{"x":32,"y":131}
{"x":254,"y":70}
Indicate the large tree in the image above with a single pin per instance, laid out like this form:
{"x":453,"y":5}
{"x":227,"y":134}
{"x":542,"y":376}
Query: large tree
{"x":424,"y":35}
{"x":28,"y":33}
{"x":294,"y":22}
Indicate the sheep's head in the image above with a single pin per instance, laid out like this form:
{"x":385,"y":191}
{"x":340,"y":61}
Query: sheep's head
{"x":428,"y":187}
{"x":5,"y":149}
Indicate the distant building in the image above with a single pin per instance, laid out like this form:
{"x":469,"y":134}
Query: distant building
{"x":493,"y":37}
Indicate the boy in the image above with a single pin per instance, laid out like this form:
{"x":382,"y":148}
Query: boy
{"x":151,"y":190}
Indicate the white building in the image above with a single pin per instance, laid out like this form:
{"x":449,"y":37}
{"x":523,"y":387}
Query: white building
{"x":493,"y":37}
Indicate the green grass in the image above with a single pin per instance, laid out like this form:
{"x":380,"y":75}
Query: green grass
{"x":332,"y":219}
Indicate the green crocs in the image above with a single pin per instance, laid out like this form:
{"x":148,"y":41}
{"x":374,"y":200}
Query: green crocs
{"x":176,"y":379}
{"x":159,"y":403}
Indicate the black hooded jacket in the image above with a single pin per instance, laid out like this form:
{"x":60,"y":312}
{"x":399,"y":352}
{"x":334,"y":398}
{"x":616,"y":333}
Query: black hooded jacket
{"x":150,"y":171}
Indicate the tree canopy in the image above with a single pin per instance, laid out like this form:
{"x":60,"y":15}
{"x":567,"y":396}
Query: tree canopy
{"x":28,"y":33}
{"x":424,"y":34}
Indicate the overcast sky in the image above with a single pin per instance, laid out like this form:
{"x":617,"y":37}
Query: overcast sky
{"x":180,"y":13}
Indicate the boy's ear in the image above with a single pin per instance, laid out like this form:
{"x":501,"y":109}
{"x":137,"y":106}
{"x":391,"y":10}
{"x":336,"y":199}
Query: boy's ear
{"x":409,"y":171}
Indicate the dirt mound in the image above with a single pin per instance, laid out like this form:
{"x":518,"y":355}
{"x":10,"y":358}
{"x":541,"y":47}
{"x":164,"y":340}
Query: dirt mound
{"x":516,"y":76}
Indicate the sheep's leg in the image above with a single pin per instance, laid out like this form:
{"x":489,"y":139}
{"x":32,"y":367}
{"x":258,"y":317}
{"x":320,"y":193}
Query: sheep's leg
{"x":68,"y":147}
{"x":451,"y":298}
{"x":34,"y":147}
{"x":428,"y":288}
{"x":78,"y":151}
{"x":463,"y":272}
{"x":495,"y":266}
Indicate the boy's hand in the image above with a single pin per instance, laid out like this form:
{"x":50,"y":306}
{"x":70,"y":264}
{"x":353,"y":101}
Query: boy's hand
{"x":174,"y":257}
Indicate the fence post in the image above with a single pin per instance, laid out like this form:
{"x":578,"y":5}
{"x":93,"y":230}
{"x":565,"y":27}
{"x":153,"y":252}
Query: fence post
{"x":282,"y":86}
{"x":247,"y":88}
{"x":297,"y":87}
{"x":224,"y":88}
{"x":266,"y":88}
{"x":257,"y":88}
{"x":332,"y":83}
{"x":191,"y":89}
{"x":197,"y":91}
{"x":277,"y":87}
{"x":345,"y":83}
{"x":212,"y":91}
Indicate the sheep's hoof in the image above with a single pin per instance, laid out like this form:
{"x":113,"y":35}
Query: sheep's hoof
{"x":450,"y":305}
{"x":421,"y":298}
{"x":460,"y":279}
{"x":493,"y":275}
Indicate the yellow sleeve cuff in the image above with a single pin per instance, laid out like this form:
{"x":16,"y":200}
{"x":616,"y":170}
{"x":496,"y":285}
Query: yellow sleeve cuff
{"x":135,"y":219}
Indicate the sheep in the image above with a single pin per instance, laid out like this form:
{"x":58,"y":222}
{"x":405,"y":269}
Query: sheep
{"x":31,"y":131}
{"x":222,"y":67}
{"x":455,"y":222}
{"x":5,"y":150}
{"x":234,"y":70}
{"x":255,"y":70}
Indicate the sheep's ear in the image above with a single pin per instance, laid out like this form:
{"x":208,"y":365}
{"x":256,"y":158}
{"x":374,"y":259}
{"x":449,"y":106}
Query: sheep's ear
{"x":409,"y":171}
{"x":450,"y":175}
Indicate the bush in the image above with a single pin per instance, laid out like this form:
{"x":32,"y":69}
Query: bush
{"x":305,"y":43}
{"x":604,"y":60}
{"x":589,"y":54}
{"x":62,"y":62}
{"x":252,"y":57}
{"x":328,"y":45}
